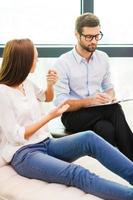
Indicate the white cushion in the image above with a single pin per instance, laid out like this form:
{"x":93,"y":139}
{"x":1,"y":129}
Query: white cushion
{"x":2,"y":162}
{"x":15,"y":187}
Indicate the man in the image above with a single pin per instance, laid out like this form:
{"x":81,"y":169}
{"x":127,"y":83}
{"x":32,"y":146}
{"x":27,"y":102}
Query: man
{"x":84,"y":82}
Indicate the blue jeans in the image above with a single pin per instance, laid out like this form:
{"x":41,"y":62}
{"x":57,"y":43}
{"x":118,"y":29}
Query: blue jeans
{"x":51,"y":161}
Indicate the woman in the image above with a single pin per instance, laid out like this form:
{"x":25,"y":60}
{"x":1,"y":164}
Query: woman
{"x":30,"y":149}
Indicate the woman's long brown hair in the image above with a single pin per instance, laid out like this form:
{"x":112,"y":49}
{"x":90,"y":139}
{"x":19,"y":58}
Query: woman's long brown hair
{"x":18,"y":57}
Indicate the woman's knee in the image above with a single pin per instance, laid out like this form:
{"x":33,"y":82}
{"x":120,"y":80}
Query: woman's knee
{"x":89,"y":135}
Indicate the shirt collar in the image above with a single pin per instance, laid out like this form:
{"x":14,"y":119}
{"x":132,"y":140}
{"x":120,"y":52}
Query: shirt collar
{"x":80,"y":58}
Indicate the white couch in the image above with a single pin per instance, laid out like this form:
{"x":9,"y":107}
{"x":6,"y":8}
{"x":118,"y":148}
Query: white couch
{"x":16,"y":187}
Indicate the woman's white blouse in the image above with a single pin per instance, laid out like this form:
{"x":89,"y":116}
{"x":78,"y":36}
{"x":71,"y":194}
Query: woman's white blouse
{"x":16,"y":112}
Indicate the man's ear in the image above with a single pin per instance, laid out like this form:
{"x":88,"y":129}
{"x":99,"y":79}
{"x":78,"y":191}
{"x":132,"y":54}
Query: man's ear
{"x":77,"y":35}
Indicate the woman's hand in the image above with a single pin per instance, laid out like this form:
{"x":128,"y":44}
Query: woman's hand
{"x":51,"y":78}
{"x":56,"y":112}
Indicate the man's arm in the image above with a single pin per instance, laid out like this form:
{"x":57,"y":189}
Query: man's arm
{"x":77,"y":104}
{"x":97,"y":99}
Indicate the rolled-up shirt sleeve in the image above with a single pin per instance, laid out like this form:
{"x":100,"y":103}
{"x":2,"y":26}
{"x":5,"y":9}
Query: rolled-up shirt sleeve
{"x":9,"y":126}
{"x":107,"y":82}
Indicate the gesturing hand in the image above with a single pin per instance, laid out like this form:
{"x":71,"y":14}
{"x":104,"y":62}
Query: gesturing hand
{"x":56,"y":112}
{"x":51,"y":77}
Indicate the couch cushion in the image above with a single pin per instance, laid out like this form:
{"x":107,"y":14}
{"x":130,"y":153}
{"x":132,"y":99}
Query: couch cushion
{"x":2,"y":162}
{"x":16,"y":187}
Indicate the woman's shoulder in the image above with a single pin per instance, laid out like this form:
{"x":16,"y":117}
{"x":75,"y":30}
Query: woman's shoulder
{"x":28,"y":83}
{"x":3,"y":88}
{"x":4,"y":91}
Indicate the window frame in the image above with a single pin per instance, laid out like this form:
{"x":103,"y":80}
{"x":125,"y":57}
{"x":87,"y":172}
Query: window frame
{"x":55,"y":51}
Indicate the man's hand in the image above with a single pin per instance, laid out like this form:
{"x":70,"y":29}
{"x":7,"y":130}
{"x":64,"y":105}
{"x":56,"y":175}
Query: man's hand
{"x":101,"y":98}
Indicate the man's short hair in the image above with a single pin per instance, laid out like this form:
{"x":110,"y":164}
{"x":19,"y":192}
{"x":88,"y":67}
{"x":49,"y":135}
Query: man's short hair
{"x":86,"y":20}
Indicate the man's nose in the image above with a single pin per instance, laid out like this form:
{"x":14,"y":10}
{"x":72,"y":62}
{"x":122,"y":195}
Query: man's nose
{"x":94,"y":40}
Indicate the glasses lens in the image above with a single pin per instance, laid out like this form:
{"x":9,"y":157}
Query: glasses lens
{"x":90,"y":37}
{"x":99,"y":36}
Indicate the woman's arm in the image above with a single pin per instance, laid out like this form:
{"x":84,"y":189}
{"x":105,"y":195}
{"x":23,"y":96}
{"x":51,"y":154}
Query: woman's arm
{"x":51,"y":80}
{"x":30,"y":130}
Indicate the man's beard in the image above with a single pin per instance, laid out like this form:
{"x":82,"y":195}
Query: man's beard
{"x":90,"y":48}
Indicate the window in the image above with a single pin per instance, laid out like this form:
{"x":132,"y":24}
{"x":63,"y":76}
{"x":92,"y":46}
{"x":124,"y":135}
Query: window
{"x":116,"y":21}
{"x":50,"y":23}
{"x":43,"y":21}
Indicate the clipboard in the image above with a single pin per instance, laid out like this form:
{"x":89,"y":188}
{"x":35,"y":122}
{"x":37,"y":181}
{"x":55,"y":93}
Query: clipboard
{"x":113,"y":102}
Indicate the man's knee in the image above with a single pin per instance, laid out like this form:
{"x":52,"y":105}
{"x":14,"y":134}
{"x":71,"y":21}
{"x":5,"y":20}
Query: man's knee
{"x":106,"y":130}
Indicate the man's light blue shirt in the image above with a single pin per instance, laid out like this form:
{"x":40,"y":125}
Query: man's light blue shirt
{"x":79,"y":78}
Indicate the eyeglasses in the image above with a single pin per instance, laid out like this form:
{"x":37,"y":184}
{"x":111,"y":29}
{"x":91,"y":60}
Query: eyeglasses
{"x":89,"y":38}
